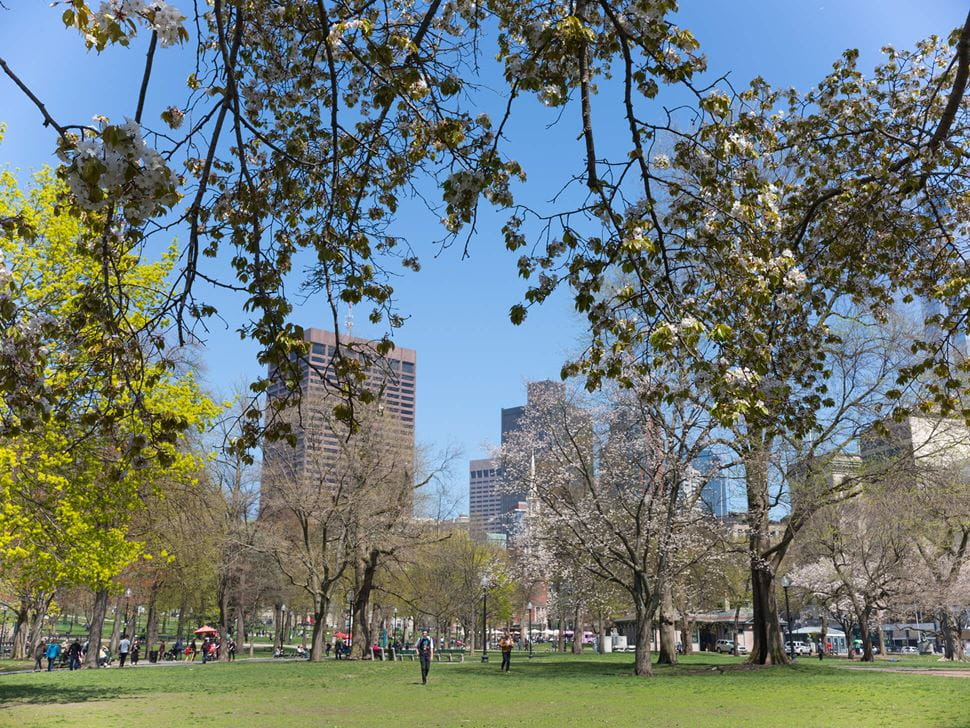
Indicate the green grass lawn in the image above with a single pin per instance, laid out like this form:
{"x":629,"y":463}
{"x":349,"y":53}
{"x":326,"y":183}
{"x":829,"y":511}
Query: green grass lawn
{"x":585,"y":690}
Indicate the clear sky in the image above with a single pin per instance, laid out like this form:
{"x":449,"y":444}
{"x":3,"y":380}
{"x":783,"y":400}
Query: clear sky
{"x":471,"y":361}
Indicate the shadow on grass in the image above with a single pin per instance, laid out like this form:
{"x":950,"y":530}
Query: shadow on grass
{"x":594,"y":667}
{"x":11,"y":695}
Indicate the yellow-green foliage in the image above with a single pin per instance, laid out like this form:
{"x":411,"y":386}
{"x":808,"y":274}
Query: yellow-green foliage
{"x":71,"y":486}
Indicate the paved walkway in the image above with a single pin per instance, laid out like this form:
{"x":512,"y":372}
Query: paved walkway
{"x":942,"y":672}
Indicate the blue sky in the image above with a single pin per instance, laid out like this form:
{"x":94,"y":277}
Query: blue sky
{"x":471,"y":361}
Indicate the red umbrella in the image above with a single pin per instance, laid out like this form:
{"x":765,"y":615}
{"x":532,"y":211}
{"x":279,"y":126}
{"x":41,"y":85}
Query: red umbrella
{"x":206,"y":629}
{"x":341,"y":635}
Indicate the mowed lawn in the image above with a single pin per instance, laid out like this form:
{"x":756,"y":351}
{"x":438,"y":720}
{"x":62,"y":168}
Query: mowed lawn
{"x":587,"y":690}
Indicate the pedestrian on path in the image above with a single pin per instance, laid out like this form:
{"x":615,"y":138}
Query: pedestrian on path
{"x":123,"y":648}
{"x":74,"y":655}
{"x":425,"y":654}
{"x":39,"y":651}
{"x":53,"y":652}
{"x":506,"y":644}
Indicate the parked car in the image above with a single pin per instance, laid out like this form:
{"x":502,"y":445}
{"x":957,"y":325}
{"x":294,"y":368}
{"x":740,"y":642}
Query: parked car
{"x":908,"y":650}
{"x":727,"y":646}
{"x":799,"y":648}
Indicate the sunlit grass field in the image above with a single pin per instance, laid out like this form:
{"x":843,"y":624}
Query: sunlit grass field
{"x":585,"y":690}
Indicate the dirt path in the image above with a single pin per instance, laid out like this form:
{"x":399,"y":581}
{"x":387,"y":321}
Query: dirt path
{"x":914,"y":671}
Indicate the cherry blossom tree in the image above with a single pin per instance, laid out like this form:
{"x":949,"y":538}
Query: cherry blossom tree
{"x":609,"y":483}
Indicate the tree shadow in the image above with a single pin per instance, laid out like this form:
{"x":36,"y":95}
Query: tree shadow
{"x":53,"y":694}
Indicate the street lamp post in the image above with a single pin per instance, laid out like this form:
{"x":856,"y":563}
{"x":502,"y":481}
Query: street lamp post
{"x":484,"y":629}
{"x":530,"y":630}
{"x":3,"y":630}
{"x":785,"y":584}
{"x":127,"y":605}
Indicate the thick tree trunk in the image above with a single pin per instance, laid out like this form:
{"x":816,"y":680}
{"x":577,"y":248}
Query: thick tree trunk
{"x":882,"y":639}
{"x":277,"y":626}
{"x":641,"y":664}
{"x":319,"y":629}
{"x":946,"y":626}
{"x":151,"y":620}
{"x":240,"y":635}
{"x":644,"y":624}
{"x":769,"y":646}
{"x":667,"y":652}
{"x":577,"y":632}
{"x":687,"y":635}
{"x":20,"y":630}
{"x":116,"y":628}
{"x":224,"y":622}
{"x":41,"y":605}
{"x":864,"y":621}
{"x":362,"y":639}
{"x":96,"y":627}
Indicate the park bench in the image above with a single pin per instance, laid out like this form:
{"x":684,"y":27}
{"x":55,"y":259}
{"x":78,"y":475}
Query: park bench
{"x":401,"y":654}
{"x":457,"y":655}
{"x":380,"y":653}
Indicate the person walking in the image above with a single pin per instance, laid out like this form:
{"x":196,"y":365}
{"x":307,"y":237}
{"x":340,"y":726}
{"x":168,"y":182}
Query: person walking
{"x":425,"y":654}
{"x":821,"y":650}
{"x":135,"y":652}
{"x":53,"y":652}
{"x":192,"y":650}
{"x":123,"y":648}
{"x":506,"y":644}
{"x":39,"y":651}
{"x":74,"y":655}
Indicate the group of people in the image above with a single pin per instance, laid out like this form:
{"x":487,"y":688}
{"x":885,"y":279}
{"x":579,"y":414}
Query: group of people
{"x":59,"y":652}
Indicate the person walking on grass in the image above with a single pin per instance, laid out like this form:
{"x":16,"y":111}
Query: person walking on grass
{"x":425,"y":654}
{"x":53,"y":652}
{"x":74,"y":655}
{"x":123,"y":648}
{"x":506,"y":644}
{"x":39,"y":651}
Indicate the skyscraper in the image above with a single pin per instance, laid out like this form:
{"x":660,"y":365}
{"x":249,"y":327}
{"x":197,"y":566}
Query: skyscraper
{"x":484,"y":495}
{"x":393,"y":378}
{"x":714,"y":489}
{"x":494,"y":506}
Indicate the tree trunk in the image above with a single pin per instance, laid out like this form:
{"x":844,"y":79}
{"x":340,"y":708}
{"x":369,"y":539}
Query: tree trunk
{"x":240,"y":635}
{"x":667,"y":652}
{"x":96,"y":627}
{"x":19,"y":650}
{"x":644,"y":624}
{"x":578,"y":631}
{"x":41,"y":605}
{"x":561,"y":637}
{"x":769,"y":646}
{"x":882,"y":639}
{"x":366,"y":571}
{"x":181,"y":623}
{"x":319,"y":628}
{"x":277,"y":626}
{"x":687,"y":635}
{"x":946,"y":627}
{"x":866,"y":636}
{"x":151,"y":619}
{"x":224,"y":623}
{"x":641,"y":664}
{"x":824,"y":631}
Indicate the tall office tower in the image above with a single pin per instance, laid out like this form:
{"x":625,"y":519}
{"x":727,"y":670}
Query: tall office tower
{"x":318,"y":441}
{"x":484,"y":495}
{"x":511,"y":423}
{"x":714,"y":489}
